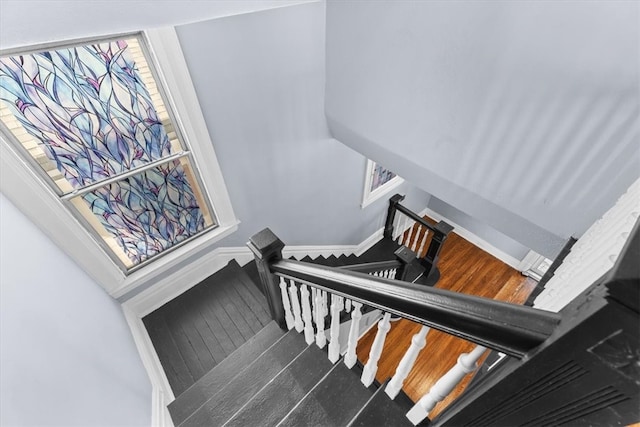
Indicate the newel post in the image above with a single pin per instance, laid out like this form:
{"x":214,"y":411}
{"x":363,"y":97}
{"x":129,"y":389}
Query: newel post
{"x":267,"y":248}
{"x":442,"y":230}
{"x":406,"y":256}
{"x":391,"y":214}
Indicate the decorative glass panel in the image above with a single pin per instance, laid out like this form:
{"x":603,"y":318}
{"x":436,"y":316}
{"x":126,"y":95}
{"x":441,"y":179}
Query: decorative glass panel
{"x":86,"y":113}
{"x":144,"y":214}
{"x":93,"y":119}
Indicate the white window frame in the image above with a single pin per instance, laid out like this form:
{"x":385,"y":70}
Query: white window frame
{"x":26,"y":189}
{"x":369,"y":196}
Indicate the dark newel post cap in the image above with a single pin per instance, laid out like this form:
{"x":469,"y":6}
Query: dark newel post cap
{"x":265,"y":243}
{"x":396,"y":198}
{"x":405,"y":254}
{"x":444,"y":227}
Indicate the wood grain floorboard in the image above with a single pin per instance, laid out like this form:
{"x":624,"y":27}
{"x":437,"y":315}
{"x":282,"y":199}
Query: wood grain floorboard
{"x":211,"y":318}
{"x":217,"y":311}
{"x":255,"y":299}
{"x":172,"y":362}
{"x":464,"y":268}
{"x":197,"y":330}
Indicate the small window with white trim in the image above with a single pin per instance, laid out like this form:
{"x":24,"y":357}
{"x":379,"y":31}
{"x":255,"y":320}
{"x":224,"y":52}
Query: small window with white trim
{"x":378,"y":182}
{"x":94,"y":122}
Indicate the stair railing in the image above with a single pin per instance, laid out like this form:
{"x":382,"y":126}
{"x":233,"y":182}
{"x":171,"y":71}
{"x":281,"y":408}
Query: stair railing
{"x":509,"y":328}
{"x":409,"y":229}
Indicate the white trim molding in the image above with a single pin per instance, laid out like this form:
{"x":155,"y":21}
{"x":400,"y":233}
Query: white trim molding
{"x":369,"y":196}
{"x":478,"y":241}
{"x":25,"y":188}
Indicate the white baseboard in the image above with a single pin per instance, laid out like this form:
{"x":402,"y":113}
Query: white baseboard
{"x":176,"y":284}
{"x":160,"y":416}
{"x":477,"y":241}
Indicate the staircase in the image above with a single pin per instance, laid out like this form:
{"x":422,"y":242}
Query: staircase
{"x":273,"y":377}
{"x":302,"y":377}
{"x":280,"y":380}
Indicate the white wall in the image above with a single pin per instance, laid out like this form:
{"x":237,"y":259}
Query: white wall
{"x":67,"y":357}
{"x":524,"y":115}
{"x":55,"y":20}
{"x":260,"y":83}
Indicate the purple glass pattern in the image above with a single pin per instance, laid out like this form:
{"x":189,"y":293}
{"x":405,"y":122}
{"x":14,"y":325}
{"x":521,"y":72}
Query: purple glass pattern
{"x":88,"y":108}
{"x":148,"y":212}
{"x":380,"y":177}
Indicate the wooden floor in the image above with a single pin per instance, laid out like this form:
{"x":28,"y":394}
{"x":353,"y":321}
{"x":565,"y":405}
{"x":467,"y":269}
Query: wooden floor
{"x":200,"y":328}
{"x":464,"y":268}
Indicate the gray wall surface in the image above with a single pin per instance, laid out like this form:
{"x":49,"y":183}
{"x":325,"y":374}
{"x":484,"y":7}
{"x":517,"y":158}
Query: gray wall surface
{"x":524,"y":115}
{"x":260,"y":84}
{"x":67,"y":357}
{"x":487,"y":233}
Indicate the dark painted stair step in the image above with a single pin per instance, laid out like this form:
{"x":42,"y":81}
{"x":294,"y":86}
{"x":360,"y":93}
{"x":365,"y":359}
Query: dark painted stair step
{"x":381,"y":251}
{"x":333,"y":261}
{"x":251,"y":269}
{"x":354,"y":259}
{"x":333,"y":402}
{"x":275,"y":400}
{"x":380,"y":410}
{"x":223,"y":373}
{"x":224,"y":404}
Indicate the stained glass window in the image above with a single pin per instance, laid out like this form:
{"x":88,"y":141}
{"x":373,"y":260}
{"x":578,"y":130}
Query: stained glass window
{"x":92,"y":120}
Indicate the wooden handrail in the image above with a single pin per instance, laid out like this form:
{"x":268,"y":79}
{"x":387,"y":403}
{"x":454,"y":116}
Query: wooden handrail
{"x":510,"y":328}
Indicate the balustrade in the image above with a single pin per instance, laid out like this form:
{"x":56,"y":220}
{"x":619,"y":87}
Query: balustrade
{"x":519,"y":330}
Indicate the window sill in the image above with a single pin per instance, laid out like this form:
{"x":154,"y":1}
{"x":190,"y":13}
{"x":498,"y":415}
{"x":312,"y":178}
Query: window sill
{"x":174,"y":263}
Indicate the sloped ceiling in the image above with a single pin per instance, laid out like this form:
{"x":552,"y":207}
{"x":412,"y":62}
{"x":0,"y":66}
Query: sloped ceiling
{"x":524,"y":115}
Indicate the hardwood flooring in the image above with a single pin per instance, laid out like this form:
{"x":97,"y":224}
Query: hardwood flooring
{"x":464,"y":268}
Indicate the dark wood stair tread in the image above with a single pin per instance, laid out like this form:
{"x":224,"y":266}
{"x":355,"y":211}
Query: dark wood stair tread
{"x":212,"y":382}
{"x":275,"y":401}
{"x":333,"y":402}
{"x":380,"y":410}
{"x":224,"y":404}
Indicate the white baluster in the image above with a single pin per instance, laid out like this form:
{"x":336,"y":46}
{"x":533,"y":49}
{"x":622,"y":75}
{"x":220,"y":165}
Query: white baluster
{"x":393,"y":273}
{"x":401,"y":227}
{"x":466,"y":364}
{"x":350,"y":358}
{"x":370,"y":369}
{"x":295,"y":305}
{"x":334,"y":345}
{"x":347,"y":305}
{"x":314,"y":314}
{"x":407,"y":235}
{"x":423,"y":243}
{"x":418,"y":342}
{"x":321,"y":338}
{"x":396,"y":227}
{"x":325,"y":305}
{"x":414,"y":242}
{"x":306,"y":314}
{"x":288,"y":317}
